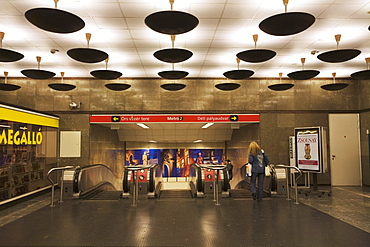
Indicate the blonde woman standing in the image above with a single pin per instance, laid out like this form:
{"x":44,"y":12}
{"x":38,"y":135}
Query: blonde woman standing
{"x":258,"y":159}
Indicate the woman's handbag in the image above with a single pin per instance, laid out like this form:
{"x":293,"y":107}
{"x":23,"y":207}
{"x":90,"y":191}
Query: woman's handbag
{"x":248,"y":169}
{"x":267,"y":171}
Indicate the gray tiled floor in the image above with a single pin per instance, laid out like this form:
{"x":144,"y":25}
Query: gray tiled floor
{"x":349,"y":204}
{"x":274,"y":222}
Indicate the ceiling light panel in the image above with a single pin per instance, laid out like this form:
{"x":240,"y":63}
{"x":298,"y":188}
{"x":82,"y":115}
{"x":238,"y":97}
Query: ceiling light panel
{"x":138,"y":10}
{"x":207,"y":10}
{"x":115,"y":23}
{"x":240,"y":11}
{"x":340,"y":11}
{"x":103,"y":9}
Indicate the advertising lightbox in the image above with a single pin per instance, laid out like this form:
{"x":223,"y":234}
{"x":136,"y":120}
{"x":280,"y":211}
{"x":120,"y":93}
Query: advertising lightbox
{"x":309,"y":149}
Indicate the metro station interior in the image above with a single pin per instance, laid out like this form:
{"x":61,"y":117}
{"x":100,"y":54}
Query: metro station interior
{"x":131,"y":156}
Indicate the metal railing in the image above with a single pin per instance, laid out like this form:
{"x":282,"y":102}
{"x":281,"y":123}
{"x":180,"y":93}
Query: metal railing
{"x":61,"y":183}
{"x":287,"y":176}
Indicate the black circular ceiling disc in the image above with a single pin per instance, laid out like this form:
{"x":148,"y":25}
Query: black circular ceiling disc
{"x":303,"y":74}
{"x":281,"y":86}
{"x":106,"y":74}
{"x":117,"y":86}
{"x":361,"y":75}
{"x":171,"y":22}
{"x":256,"y":55}
{"x":173,"y":86}
{"x":334,"y":86}
{"x":338,"y":56}
{"x":61,"y":86}
{"x":227,"y":86}
{"x":8,"y":87}
{"x":173,"y":55}
{"x":87,"y":55}
{"x":287,"y":23}
{"x":54,"y":20}
{"x":238,"y":74}
{"x":9,"y":56}
{"x":38,"y":74}
{"x":173,"y":74}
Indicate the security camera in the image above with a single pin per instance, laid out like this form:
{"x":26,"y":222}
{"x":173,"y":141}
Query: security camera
{"x":314,"y":52}
{"x":74,"y":105}
{"x":53,"y":51}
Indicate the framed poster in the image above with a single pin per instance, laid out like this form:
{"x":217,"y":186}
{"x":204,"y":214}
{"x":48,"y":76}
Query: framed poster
{"x":308,"y":147}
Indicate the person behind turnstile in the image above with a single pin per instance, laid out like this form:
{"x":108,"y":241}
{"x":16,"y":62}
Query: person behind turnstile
{"x":259,"y":160}
{"x":229,"y":168}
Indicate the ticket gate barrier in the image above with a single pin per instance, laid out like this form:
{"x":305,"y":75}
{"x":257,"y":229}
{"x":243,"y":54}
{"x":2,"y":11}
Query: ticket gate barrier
{"x":142,"y":177}
{"x":205,"y":183}
{"x":209,"y":176}
{"x":139,"y":179}
{"x":217,"y":169}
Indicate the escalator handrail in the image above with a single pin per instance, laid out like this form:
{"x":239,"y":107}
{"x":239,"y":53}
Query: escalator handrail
{"x":273,"y":181}
{"x":78,"y":173}
{"x":226,"y":181}
{"x":290,"y":167}
{"x":151,"y":185}
{"x":273,"y":177}
{"x":125,"y":181}
{"x":242,"y":168}
{"x":200,"y":186}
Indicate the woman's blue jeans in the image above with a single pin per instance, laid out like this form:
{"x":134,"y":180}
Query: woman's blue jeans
{"x":259,"y":189}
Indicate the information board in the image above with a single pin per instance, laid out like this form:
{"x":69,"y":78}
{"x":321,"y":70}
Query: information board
{"x":309,"y":149}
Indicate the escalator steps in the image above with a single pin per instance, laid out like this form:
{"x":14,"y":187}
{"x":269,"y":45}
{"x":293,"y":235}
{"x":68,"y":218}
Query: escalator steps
{"x":106,"y":196}
{"x":175,"y":194}
{"x":240,"y":193}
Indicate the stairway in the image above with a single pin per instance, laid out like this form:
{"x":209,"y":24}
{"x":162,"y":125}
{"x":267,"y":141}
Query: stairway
{"x":175,"y":194}
{"x":175,"y":190}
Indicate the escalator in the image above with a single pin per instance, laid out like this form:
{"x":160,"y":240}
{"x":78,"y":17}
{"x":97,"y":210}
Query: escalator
{"x":243,"y":188}
{"x":104,"y":195}
{"x":98,"y":182}
{"x":95,"y":182}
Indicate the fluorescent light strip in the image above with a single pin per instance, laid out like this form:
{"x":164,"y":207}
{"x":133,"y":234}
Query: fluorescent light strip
{"x":152,"y":141}
{"x":4,"y":126}
{"x":197,"y":141}
{"x":207,"y":125}
{"x":142,"y":125}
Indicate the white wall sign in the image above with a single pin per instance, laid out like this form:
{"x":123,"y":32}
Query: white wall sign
{"x":70,"y":144}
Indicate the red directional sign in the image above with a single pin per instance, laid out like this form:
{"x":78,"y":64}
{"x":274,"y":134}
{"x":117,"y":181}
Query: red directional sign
{"x":181,"y":118}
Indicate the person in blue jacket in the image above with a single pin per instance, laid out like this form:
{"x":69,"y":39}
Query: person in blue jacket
{"x":258,"y":159}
